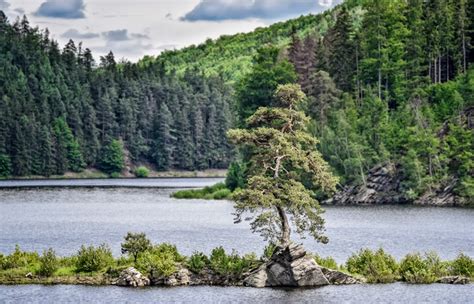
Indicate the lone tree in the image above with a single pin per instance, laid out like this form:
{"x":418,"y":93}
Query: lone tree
{"x":285,"y":169}
{"x":135,"y":243}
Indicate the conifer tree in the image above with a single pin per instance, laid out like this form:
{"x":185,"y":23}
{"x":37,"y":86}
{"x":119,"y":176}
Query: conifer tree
{"x":281,"y":153}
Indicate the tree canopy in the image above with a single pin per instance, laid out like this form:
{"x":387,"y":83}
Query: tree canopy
{"x":281,"y":154}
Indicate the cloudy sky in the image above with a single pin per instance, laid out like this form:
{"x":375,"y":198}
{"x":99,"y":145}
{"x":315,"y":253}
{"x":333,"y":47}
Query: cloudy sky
{"x":134,"y":28}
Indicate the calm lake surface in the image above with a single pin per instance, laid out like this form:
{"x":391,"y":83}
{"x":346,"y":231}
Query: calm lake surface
{"x":391,"y":293}
{"x":66,"y":218}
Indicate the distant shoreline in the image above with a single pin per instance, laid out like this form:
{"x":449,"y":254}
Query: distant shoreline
{"x":154,"y":182}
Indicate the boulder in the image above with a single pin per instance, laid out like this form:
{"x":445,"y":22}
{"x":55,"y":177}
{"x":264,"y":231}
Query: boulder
{"x":339,"y":278}
{"x":453,"y":280}
{"x":289,"y":267}
{"x":131,"y":277}
{"x":180,"y":278}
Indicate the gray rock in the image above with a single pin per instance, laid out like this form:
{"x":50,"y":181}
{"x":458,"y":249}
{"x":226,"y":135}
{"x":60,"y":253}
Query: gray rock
{"x":453,"y":280}
{"x":131,"y":277}
{"x":382,"y":187}
{"x":180,"y":278}
{"x":444,"y":196}
{"x":339,"y":278}
{"x":288,"y":267}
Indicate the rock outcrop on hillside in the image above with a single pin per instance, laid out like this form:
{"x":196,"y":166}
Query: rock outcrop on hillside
{"x":443,"y":197}
{"x":382,"y":187}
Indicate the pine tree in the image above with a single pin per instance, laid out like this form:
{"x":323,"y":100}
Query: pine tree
{"x":280,"y":157}
{"x":163,"y":141}
{"x":112,"y":157}
{"x":340,"y":51}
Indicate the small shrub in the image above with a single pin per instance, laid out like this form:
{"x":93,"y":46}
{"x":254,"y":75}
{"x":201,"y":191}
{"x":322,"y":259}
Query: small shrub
{"x":19,"y":259}
{"x":48,"y":263}
{"x":217,"y":191}
{"x":415,"y":269}
{"x":232,"y":264}
{"x":197,"y":261}
{"x":162,"y":264}
{"x":221,"y":194}
{"x":160,"y":260}
{"x":462,"y":265}
{"x":376,"y":267}
{"x":327,"y":262}
{"x":115,"y":175}
{"x":91,"y":259}
{"x":135,"y":244}
{"x":142,"y":172}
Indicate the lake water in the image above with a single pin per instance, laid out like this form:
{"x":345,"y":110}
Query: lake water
{"x":66,"y":218}
{"x":366,"y":294}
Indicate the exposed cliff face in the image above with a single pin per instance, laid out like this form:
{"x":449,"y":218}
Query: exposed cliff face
{"x":443,"y":197}
{"x":382,"y":187}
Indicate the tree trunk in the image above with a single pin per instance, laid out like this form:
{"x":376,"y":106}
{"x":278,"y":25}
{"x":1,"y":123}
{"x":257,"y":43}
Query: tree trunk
{"x":285,"y":227}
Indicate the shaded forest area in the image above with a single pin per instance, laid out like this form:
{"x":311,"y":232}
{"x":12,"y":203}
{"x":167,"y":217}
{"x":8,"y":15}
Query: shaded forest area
{"x":61,"y":112}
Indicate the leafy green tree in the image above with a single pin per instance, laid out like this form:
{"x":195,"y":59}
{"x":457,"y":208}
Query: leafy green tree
{"x":113,"y":159}
{"x":281,"y":153}
{"x":135,"y":244}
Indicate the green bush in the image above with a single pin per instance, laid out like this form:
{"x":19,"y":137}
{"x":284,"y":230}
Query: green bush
{"x":221,"y":194}
{"x":462,"y":265}
{"x":197,"y":261}
{"x":48,"y":263}
{"x":19,"y":259}
{"x":217,"y":191}
{"x":376,"y":267}
{"x":160,"y":260}
{"x":232,"y":264}
{"x":142,"y":172}
{"x":327,"y":262}
{"x":91,"y":259}
{"x":415,"y":269}
{"x":115,"y":175}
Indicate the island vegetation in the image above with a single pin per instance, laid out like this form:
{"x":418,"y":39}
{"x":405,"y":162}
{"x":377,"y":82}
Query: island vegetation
{"x":95,"y":265}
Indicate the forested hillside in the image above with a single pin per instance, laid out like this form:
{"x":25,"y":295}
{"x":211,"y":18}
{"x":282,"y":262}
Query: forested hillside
{"x":231,"y":56}
{"x":395,"y":88}
{"x":387,"y":82}
{"x":60,"y":113}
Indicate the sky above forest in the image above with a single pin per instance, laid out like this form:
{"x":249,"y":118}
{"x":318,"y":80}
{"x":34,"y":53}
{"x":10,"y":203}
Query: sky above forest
{"x":134,"y":28}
